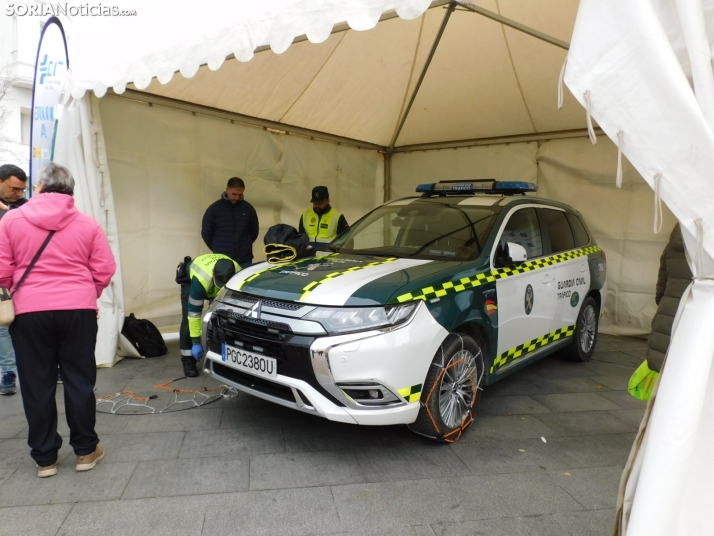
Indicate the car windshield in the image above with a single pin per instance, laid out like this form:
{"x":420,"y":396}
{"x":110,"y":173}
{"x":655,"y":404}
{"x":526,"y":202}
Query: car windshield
{"x":421,"y":230}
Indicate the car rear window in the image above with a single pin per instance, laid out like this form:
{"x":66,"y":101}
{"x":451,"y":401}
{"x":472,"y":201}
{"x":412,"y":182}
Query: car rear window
{"x":561,"y":236}
{"x":582,"y":238}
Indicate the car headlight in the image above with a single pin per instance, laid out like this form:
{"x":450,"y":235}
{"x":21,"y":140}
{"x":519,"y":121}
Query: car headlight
{"x":221,"y":294}
{"x":338,"y":320}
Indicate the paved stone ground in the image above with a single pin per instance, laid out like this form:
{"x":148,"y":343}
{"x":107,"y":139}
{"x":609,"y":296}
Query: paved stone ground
{"x":241,"y":466}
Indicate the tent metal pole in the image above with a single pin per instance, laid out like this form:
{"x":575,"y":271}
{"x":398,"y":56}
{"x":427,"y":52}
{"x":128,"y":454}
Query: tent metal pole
{"x":500,"y":140}
{"x":513,"y":24}
{"x":140,"y":96}
{"x":434,"y":46}
{"x":387,"y":174}
{"x":403,"y":119}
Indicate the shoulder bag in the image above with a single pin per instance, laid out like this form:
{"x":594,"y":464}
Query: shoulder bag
{"x":7,"y":308}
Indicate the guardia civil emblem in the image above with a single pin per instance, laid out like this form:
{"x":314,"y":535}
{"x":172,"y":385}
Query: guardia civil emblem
{"x":529,"y":299}
{"x":574,"y":299}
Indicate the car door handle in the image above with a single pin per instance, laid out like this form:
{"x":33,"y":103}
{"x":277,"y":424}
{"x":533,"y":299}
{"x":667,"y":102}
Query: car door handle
{"x":584,"y":268}
{"x":548,"y":279}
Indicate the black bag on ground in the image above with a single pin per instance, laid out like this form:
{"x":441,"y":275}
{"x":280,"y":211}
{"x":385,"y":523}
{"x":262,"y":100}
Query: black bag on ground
{"x":283,"y":243}
{"x":182,"y":276}
{"x":144,"y":336}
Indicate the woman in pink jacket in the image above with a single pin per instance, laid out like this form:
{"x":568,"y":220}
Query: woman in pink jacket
{"x":56,"y":315}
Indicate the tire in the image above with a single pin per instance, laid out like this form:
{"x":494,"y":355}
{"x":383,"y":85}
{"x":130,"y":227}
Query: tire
{"x":451,"y":389}
{"x":585,"y":337}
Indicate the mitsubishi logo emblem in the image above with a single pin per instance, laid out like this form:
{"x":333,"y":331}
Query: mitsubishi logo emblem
{"x":254,"y":312}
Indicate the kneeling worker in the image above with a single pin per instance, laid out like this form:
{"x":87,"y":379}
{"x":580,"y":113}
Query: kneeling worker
{"x":322,"y":223}
{"x":208,"y":275}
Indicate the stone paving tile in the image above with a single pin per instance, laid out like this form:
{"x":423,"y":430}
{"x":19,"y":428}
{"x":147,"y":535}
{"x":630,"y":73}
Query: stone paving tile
{"x":554,"y":366}
{"x":328,"y":435}
{"x":273,"y":415}
{"x":199,"y":476}
{"x":625,"y":400}
{"x":142,"y":447}
{"x":570,"y":385}
{"x":589,"y":523}
{"x":177,"y":421}
{"x":584,"y":451}
{"x":501,"y":456}
{"x":617,"y":382}
{"x":15,"y":454}
{"x":155,"y":517}
{"x":289,"y":512}
{"x":509,"y":427}
{"x":399,"y":464}
{"x":394,"y":530}
{"x":450,"y":500}
{"x":105,"y":481}
{"x":609,"y":369}
{"x":304,"y":469}
{"x":507,"y":526}
{"x":11,"y":405}
{"x":633,"y":417}
{"x":616,"y":357}
{"x":34,"y":520}
{"x":509,"y":405}
{"x":593,"y":487}
{"x":12,"y":425}
{"x":513,"y":386}
{"x":585,"y":423}
{"x":239,"y":442}
{"x":575,"y":402}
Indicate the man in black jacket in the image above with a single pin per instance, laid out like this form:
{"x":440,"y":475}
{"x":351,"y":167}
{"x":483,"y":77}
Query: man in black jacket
{"x":230,"y":225}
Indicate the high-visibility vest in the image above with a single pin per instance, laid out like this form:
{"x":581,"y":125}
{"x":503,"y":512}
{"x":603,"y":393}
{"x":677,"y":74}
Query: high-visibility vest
{"x":642,"y":382}
{"x":201,"y":269}
{"x":327,"y":230}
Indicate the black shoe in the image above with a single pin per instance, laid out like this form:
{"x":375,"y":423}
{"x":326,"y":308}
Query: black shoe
{"x":189,"y":369}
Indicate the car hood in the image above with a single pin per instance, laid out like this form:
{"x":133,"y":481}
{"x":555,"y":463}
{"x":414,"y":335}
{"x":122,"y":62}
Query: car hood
{"x":336,"y":279}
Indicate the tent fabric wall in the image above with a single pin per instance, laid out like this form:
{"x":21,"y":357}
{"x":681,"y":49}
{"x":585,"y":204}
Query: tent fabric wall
{"x":169,"y":165}
{"x":575,"y":172}
{"x":81,"y":148}
{"x":644,"y":70}
{"x":582,"y":175}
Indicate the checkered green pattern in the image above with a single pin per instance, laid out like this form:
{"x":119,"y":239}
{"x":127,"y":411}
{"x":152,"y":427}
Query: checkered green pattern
{"x":451,"y":287}
{"x":530,"y":346}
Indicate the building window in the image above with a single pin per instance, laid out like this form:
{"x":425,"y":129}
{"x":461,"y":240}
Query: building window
{"x":26,"y":126}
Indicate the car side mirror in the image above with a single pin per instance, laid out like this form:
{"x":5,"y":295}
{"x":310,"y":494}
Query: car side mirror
{"x":515,"y":253}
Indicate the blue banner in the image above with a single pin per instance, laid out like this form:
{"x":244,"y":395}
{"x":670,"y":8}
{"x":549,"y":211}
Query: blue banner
{"x":51,"y":68}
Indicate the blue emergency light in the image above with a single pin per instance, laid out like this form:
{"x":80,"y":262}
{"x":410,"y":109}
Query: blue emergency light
{"x":476,"y":186}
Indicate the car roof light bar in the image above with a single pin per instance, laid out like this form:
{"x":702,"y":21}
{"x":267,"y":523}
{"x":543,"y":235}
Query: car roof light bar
{"x":476,"y":186}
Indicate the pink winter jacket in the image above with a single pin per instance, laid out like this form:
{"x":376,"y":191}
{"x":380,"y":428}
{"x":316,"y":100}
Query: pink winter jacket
{"x":73,"y":269}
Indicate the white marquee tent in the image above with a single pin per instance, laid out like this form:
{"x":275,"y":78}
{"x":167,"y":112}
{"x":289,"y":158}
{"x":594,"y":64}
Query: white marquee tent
{"x":410,"y":91}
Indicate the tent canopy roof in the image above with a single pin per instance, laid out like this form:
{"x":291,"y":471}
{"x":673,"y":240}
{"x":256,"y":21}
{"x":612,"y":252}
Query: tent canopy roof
{"x":486,"y":80}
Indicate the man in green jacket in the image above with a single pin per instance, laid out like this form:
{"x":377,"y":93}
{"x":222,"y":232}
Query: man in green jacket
{"x":208,"y":275}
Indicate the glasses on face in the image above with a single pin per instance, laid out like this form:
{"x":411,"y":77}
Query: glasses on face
{"x":18,"y":190}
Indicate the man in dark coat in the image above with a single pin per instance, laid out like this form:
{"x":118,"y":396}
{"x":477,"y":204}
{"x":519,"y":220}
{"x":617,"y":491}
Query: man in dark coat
{"x":673,"y":279}
{"x":230,"y":225}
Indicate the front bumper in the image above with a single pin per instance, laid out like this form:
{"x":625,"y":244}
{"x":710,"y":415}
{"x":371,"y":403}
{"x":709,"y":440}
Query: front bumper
{"x":315,"y":372}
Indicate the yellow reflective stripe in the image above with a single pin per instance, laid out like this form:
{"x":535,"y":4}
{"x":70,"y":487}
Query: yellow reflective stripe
{"x":530,"y":346}
{"x":451,"y":287}
{"x":194,"y":326}
{"x":312,"y":286}
{"x":411,"y":394}
{"x":283,"y":266}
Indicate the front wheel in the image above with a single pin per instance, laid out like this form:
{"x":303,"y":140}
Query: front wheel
{"x":451,"y":389}
{"x":582,"y":346}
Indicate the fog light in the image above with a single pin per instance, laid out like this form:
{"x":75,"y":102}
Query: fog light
{"x":373,"y":393}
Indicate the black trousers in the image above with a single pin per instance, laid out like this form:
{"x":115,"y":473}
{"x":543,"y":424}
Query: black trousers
{"x":43,"y":341}
{"x":184,"y":335}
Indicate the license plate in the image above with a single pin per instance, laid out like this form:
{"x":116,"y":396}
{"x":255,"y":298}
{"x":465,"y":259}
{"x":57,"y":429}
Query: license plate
{"x":258,"y":365}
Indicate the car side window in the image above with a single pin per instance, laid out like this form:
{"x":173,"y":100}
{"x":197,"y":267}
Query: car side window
{"x":523,"y":229}
{"x":561,"y":236}
{"x":582,"y":238}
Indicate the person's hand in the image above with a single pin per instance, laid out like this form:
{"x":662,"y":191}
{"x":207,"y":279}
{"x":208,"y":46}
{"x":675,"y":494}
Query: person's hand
{"x":197,"y":352}
{"x":3,"y":206}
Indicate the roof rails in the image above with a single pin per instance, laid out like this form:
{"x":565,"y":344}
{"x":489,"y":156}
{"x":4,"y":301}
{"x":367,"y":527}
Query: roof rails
{"x":476,"y":186}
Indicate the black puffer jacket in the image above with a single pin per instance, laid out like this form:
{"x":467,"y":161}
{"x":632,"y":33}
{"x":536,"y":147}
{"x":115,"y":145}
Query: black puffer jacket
{"x":230,"y":229}
{"x":673,"y":279}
